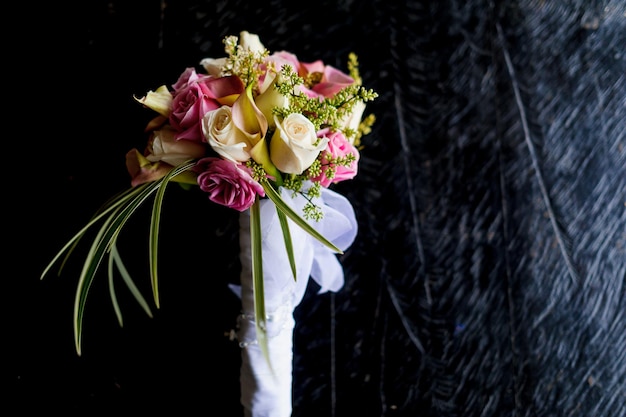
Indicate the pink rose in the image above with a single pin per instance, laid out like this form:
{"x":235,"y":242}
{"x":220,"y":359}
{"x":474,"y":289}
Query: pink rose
{"x":187,"y":77}
{"x":194,"y":96}
{"x":338,"y":147}
{"x":228,"y":183}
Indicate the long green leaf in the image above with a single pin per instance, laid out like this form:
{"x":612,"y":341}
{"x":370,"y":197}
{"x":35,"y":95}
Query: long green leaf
{"x":284,"y":225}
{"x":155,"y":222}
{"x":260,"y":321}
{"x":104,"y":208}
{"x":84,"y":283}
{"x":108,"y":234}
{"x":128,"y":281}
{"x":282,"y":206}
{"x":72,"y":242}
{"x":116,"y":306}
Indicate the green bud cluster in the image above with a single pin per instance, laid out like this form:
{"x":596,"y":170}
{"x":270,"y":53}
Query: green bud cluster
{"x":257,"y":172}
{"x":242,"y":62}
{"x":328,"y":112}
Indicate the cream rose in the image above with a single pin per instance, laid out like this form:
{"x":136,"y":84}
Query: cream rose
{"x":163,"y":146}
{"x":224,"y":137}
{"x":295,"y":145}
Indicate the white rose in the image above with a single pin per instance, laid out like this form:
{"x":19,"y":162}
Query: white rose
{"x":295,"y":145}
{"x":224,"y":137}
{"x":165,"y":147}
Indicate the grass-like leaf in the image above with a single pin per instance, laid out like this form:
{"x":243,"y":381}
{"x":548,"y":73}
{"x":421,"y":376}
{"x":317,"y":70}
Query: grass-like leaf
{"x":115,"y":214}
{"x":155,"y":222}
{"x":116,"y":306}
{"x":86,"y":278}
{"x":106,"y":209}
{"x":260,"y":321}
{"x":273,"y":195}
{"x":284,"y":225}
{"x":107,"y":236}
{"x":115,"y":259}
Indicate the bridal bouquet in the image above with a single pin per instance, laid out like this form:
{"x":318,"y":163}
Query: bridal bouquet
{"x":264,"y":134}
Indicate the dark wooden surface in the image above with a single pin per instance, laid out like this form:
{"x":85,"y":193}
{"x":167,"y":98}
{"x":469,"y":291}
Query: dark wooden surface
{"x":458,"y":298}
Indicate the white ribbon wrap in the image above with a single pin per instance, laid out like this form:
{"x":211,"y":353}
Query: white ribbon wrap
{"x":263,"y":393}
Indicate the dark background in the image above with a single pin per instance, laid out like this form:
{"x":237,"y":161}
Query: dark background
{"x":488,"y":276}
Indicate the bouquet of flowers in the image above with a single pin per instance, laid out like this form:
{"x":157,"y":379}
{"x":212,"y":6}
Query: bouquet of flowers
{"x":266,"y":135}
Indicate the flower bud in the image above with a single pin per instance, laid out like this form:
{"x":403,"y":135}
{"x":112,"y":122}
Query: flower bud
{"x":352,"y":120}
{"x":160,"y":100}
{"x":213,"y":66}
{"x":268,"y":100}
{"x":250,"y":42}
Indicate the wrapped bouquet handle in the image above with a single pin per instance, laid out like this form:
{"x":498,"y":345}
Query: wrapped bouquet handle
{"x":267,"y":391}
